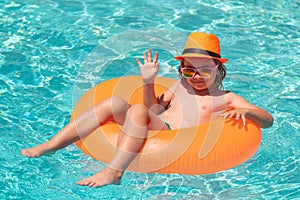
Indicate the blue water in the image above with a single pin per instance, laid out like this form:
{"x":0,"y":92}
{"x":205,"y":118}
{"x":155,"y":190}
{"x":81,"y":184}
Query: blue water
{"x":54,"y":51}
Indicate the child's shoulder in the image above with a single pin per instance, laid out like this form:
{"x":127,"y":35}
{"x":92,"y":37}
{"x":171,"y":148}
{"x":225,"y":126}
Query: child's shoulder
{"x":231,"y":94}
{"x":233,"y":97}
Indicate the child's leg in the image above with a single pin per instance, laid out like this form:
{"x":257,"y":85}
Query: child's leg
{"x":130,"y":141}
{"x":83,"y":125}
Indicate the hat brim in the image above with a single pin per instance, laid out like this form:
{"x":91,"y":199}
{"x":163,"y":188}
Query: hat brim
{"x":190,"y":55}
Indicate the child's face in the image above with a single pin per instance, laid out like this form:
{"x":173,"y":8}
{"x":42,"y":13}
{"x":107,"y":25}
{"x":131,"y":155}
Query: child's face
{"x":198,"y":82}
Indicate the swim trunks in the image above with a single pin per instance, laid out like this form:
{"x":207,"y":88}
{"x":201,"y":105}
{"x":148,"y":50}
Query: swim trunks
{"x":168,"y":125}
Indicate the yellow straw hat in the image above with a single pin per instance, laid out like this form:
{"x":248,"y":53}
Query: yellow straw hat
{"x":202,"y":45}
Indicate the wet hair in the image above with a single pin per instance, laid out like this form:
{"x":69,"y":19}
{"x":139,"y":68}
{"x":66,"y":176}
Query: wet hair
{"x":219,"y":77}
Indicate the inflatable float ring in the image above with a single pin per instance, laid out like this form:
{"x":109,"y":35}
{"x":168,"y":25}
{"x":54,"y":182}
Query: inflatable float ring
{"x":204,"y":149}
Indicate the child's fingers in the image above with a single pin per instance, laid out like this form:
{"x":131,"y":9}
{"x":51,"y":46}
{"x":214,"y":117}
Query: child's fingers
{"x":244,"y":120}
{"x":237,"y":116}
{"x":231,"y":115}
{"x":155,"y":57}
{"x":227,"y":114}
{"x":145,"y":57}
{"x":149,"y":55}
{"x":138,"y":62}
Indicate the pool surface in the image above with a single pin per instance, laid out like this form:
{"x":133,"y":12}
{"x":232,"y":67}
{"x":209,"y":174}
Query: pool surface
{"x":52,"y":52}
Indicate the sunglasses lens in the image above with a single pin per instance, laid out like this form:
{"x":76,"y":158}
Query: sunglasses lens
{"x":205,"y":73}
{"x":188,"y":73}
{"x":191,"y":72}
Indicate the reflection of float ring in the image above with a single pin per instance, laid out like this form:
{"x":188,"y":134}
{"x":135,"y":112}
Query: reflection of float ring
{"x":208,"y":148}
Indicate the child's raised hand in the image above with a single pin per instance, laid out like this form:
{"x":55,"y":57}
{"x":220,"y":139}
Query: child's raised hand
{"x":150,"y":67}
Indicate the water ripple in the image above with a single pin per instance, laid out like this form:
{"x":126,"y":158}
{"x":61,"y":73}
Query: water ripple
{"x":49,"y":47}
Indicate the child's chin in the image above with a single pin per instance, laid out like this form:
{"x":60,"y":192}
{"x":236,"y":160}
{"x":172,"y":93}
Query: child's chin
{"x":200,"y":87}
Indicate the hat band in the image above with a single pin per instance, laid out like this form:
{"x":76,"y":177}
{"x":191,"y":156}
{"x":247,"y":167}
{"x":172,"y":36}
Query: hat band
{"x":201,"y":51}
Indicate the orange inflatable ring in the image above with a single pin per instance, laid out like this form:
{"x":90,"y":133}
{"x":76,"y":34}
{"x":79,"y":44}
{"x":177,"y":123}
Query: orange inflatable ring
{"x":204,"y":149}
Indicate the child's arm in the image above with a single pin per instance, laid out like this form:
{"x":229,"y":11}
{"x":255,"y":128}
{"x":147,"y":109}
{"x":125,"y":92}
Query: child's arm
{"x":158,"y":104}
{"x":242,"y":109}
{"x":149,"y":71}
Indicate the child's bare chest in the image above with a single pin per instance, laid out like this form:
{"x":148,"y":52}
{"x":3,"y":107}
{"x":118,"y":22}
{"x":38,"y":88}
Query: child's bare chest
{"x":190,"y":110}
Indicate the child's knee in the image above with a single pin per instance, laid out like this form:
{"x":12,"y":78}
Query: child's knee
{"x":138,"y":112}
{"x":139,"y":108}
{"x":136,"y":122}
{"x":114,"y":103}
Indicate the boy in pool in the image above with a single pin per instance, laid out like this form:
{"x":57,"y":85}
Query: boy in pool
{"x":198,"y":91}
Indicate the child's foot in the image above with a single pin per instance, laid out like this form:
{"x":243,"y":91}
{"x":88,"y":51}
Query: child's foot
{"x":37,"y":151}
{"x":105,"y":177}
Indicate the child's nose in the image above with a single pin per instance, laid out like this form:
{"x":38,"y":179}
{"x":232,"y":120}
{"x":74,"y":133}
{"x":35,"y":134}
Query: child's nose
{"x":197,"y":75}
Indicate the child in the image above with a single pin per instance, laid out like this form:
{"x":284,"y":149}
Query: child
{"x":198,"y":91}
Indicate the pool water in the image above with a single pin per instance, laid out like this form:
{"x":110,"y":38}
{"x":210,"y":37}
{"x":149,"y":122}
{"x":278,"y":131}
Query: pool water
{"x":52,"y":51}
